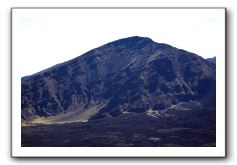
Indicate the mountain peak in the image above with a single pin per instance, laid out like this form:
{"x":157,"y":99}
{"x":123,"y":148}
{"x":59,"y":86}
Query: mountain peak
{"x":135,"y":38}
{"x":131,"y":41}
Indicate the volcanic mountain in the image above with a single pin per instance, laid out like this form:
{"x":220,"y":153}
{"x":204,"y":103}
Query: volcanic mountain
{"x":130,"y":75}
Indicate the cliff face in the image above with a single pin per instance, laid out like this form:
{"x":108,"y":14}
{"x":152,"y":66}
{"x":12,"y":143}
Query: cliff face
{"x":133,"y":74}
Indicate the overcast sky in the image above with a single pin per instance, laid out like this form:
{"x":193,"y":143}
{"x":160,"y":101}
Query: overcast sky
{"x":45,"y":37}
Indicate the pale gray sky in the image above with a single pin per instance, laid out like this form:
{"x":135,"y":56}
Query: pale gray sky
{"x":45,"y":37}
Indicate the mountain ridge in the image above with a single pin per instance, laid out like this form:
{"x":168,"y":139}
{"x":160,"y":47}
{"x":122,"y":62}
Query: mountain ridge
{"x":138,"y":38}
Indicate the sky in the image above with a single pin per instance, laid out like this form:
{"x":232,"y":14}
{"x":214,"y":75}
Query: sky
{"x":42,"y":38}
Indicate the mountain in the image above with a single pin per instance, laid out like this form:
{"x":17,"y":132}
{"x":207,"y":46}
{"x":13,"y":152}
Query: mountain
{"x":130,"y":75}
{"x":213,"y":59}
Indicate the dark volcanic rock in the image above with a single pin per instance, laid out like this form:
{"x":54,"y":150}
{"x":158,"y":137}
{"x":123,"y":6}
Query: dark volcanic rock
{"x":128,"y":75}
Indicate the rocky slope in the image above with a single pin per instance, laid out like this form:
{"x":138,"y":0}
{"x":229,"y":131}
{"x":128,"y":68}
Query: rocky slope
{"x":134,"y":74}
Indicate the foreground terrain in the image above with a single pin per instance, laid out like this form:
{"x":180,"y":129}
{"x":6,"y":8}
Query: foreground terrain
{"x":174,"y":128}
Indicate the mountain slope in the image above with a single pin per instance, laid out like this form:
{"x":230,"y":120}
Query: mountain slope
{"x":134,"y":74}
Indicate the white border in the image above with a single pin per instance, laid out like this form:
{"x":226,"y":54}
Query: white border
{"x":18,"y":151}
